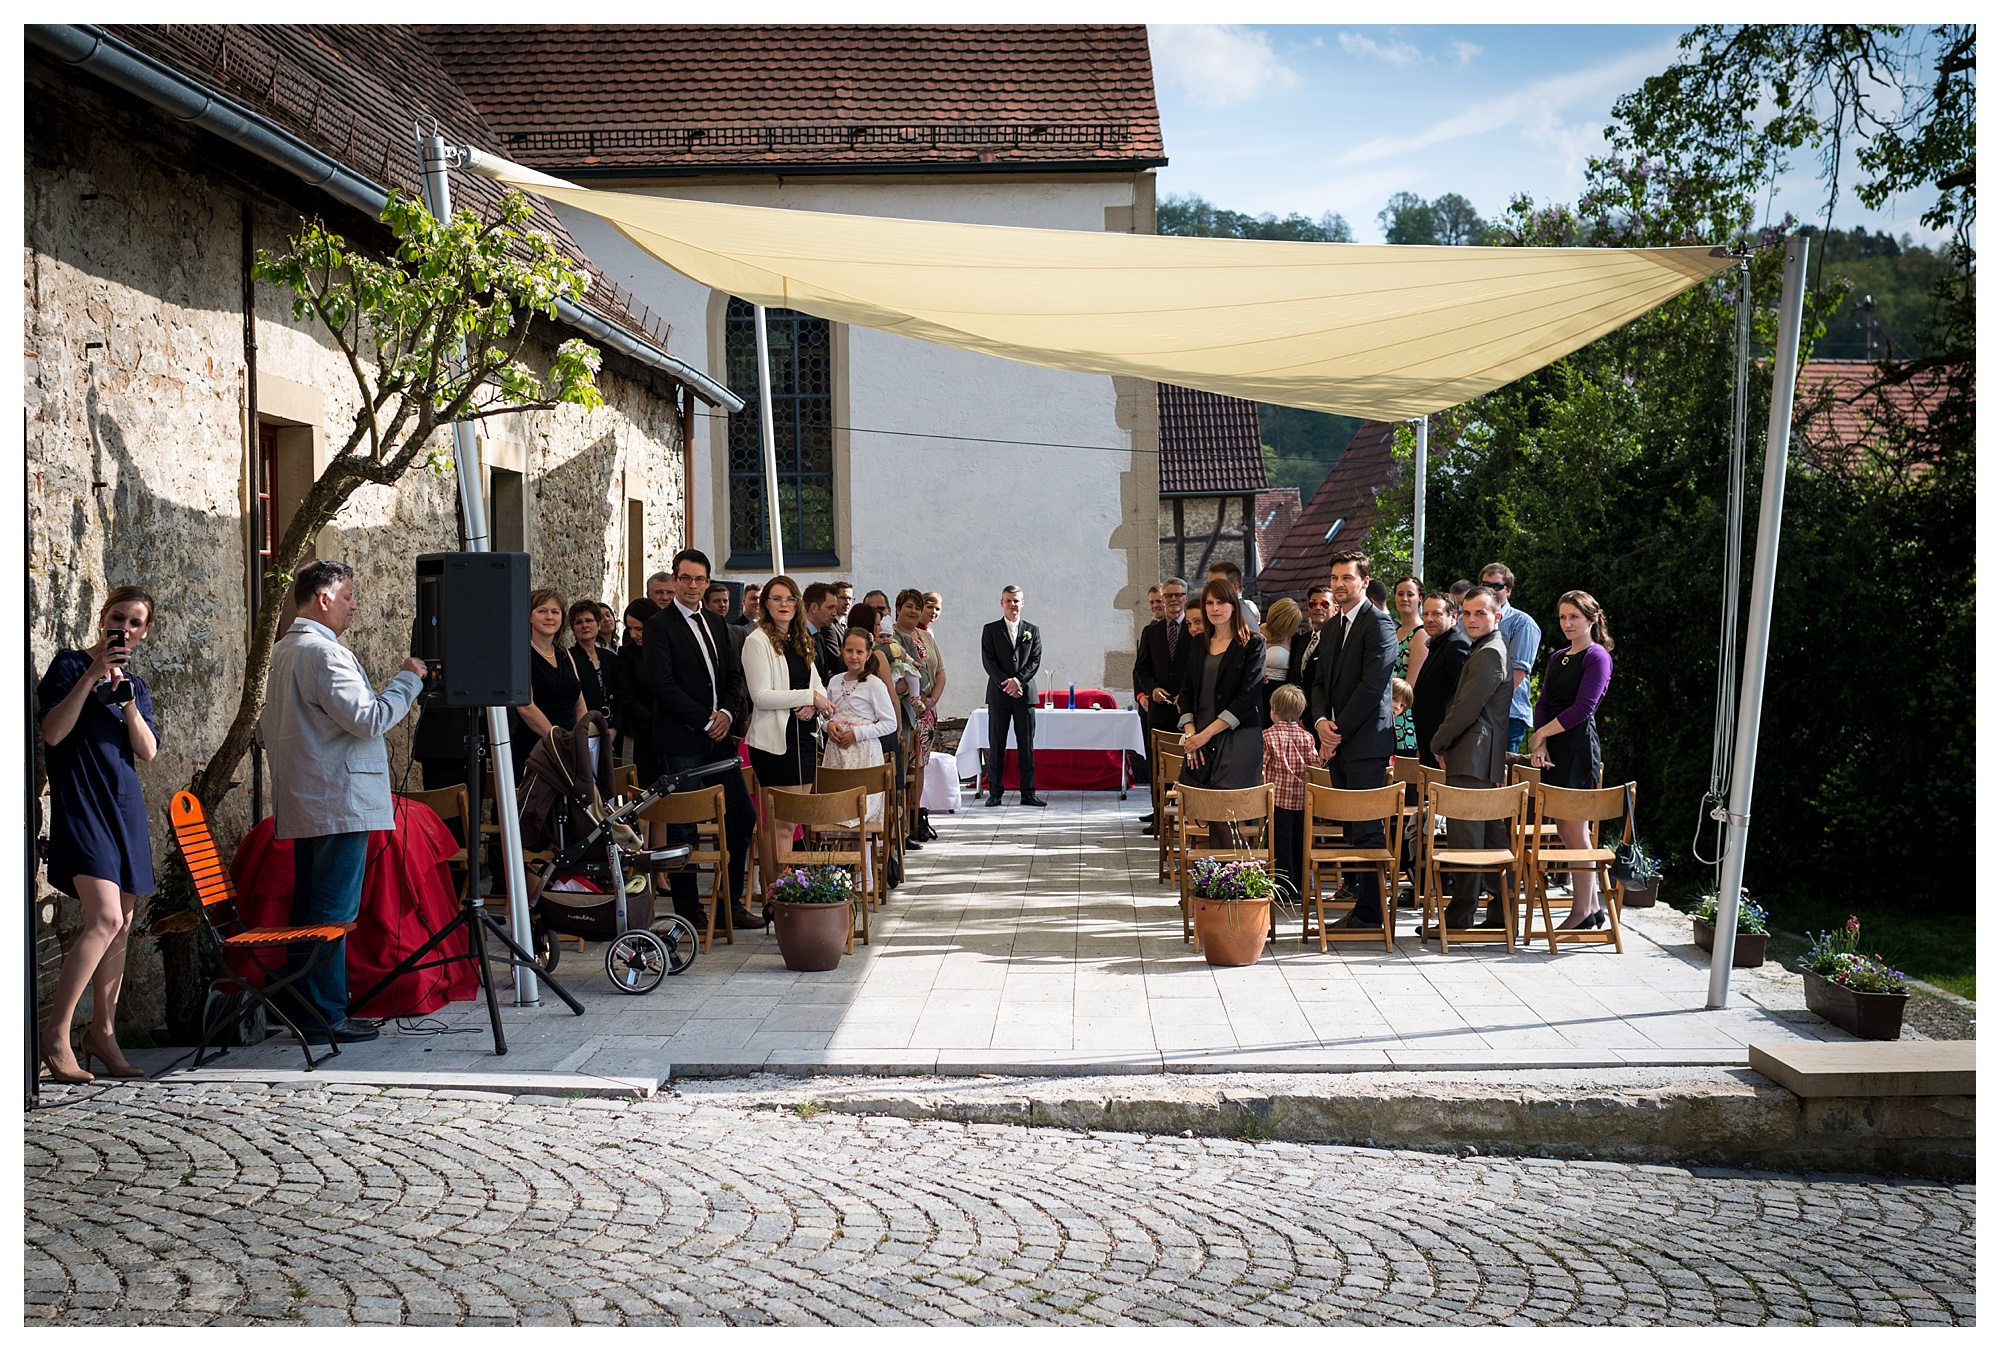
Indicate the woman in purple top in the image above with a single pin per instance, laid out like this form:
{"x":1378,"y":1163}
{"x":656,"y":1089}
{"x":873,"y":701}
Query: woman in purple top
{"x":1564,"y":739}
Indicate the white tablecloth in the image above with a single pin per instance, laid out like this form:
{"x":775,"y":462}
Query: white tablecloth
{"x":1061,"y":729}
{"x":940,"y":785}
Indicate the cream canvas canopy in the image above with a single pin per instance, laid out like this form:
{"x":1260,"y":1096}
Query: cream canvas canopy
{"x":1375,"y":331}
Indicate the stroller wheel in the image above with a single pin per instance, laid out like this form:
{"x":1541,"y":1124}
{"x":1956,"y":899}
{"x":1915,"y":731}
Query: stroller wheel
{"x":681,"y":942}
{"x":547,"y":950}
{"x":637,"y":961}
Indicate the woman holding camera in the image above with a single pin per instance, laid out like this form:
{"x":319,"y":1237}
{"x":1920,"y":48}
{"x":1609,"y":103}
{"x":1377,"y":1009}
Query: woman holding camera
{"x":97,"y":720}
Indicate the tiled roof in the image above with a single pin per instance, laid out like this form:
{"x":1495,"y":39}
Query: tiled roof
{"x":1209,"y":444}
{"x":1346,"y":501}
{"x":1277,"y":509}
{"x":353,"y":91}
{"x":680,"y":98}
{"x":1840,"y":404}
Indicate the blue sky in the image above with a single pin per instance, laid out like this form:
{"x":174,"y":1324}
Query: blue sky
{"x":1284,"y":118}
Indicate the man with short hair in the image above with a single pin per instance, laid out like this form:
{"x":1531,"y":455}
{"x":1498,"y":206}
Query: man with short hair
{"x":1471,"y":742}
{"x":821,"y":607}
{"x":1232,"y":573}
{"x":1157,"y":654}
{"x":698,"y":691}
{"x":1011,"y":650}
{"x":715,"y":600}
{"x":324,"y":724}
{"x":843,"y":600}
{"x":1153,"y":606}
{"x":752,"y":595}
{"x":1348,"y":708}
{"x":660,"y":589}
{"x":1304,"y":665}
{"x":1523,"y":637}
{"x":1437,"y":680}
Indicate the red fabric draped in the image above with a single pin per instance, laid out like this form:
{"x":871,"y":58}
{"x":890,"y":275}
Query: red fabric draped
{"x":407,"y":894}
{"x":1072,"y":769}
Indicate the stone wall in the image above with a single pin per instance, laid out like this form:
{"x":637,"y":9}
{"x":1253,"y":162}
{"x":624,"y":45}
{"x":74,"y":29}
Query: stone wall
{"x":138,"y":441}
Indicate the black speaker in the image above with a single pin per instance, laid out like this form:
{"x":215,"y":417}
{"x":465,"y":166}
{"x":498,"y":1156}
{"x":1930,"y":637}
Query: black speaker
{"x":472,"y":629}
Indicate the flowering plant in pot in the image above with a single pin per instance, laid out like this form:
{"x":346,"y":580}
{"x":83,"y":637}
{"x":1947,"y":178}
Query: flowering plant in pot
{"x":1856,"y":992}
{"x":1753,"y":929}
{"x":814,"y":909}
{"x":1232,"y":909}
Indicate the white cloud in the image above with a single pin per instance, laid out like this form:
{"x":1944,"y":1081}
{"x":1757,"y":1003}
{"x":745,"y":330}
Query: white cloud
{"x":1465,"y":51}
{"x":1217,"y":65}
{"x":1533,"y":109}
{"x":1396,"y":52}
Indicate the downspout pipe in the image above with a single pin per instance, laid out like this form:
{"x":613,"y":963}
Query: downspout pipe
{"x":89,"y":48}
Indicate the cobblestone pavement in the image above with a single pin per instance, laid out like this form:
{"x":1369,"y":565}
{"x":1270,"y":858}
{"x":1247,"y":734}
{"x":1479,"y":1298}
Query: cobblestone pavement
{"x":242,"y":1205}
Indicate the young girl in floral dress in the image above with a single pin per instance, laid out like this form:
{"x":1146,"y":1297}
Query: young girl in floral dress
{"x":862,"y":715}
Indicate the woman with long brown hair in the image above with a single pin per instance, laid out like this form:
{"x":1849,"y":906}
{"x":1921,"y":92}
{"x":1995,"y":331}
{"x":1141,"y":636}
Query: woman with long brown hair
{"x":1412,"y":646}
{"x":785,"y":696}
{"x":1221,"y":701}
{"x":96,"y":720}
{"x":1564,"y":739}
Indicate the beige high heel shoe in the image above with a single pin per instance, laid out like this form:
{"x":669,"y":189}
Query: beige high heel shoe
{"x":63,"y":1076}
{"x":118,"y":1068}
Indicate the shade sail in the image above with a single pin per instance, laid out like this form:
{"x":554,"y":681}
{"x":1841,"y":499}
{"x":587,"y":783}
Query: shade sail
{"x":1374,"y":331}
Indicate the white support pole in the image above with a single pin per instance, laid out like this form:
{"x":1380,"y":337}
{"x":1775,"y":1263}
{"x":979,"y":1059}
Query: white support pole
{"x":472,"y":504}
{"x":1763,"y":583}
{"x":1422,"y":471}
{"x":770,"y":442}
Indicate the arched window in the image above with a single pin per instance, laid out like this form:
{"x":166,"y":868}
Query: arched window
{"x":802,"y":413}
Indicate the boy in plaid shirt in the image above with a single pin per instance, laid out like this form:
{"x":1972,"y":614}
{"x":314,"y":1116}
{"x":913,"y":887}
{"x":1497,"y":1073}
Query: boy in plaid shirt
{"x":1288,"y":749}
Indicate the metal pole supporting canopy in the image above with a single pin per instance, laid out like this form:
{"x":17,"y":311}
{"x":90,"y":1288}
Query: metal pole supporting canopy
{"x":1417,"y":522}
{"x":1763,"y":583}
{"x":770,"y":442}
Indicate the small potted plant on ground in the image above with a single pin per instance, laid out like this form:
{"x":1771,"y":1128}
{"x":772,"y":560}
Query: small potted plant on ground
{"x":1642,"y":886}
{"x":1232,"y":909}
{"x":1853,"y":991}
{"x":1752,"y":928}
{"x":814,"y":911}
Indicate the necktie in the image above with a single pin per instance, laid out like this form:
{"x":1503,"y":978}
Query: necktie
{"x":1342,"y":644}
{"x":707,"y":655}
{"x":1173,"y":639}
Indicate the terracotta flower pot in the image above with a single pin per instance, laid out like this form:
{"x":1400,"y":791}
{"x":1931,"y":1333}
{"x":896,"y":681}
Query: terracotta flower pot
{"x":1749,"y":947}
{"x":1232,"y":933}
{"x":813,"y":937}
{"x":1878,"y":1017}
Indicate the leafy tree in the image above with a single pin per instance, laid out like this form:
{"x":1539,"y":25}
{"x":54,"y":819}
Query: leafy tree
{"x":1605,"y":471}
{"x":1409,"y":219}
{"x":1889,"y":286}
{"x":1456,"y":221}
{"x":401,"y":323}
{"x":1193,"y":215}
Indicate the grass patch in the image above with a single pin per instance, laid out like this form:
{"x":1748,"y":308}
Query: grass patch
{"x":807,"y":1110}
{"x":1938,"y":948}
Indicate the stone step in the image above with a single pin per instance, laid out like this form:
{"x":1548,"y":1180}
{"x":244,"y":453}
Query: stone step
{"x":1869,"y":1069}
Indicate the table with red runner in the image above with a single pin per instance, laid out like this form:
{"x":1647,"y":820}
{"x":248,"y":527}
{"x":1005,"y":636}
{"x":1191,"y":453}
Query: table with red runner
{"x":1099,"y":763}
{"x":407,"y":894}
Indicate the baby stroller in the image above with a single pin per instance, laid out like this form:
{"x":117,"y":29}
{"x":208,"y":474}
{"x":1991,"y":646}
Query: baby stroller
{"x":583,"y":891}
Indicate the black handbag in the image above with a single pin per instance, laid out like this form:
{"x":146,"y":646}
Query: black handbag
{"x":1628,"y":863}
{"x":1198,"y":770}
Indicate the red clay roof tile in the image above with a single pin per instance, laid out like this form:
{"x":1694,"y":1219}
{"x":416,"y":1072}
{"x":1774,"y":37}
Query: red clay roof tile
{"x":1344,"y":505}
{"x":1209,"y":444}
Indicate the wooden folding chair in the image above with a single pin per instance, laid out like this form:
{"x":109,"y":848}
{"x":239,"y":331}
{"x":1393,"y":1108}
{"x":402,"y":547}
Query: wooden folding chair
{"x":1318,"y":776}
{"x":453,"y":806}
{"x":1328,"y":812}
{"x":224,"y":934}
{"x":1508,"y":805}
{"x":1409,"y":771}
{"x":1249,"y":813}
{"x":873,"y":835}
{"x":625,"y":781}
{"x":1159,"y":740}
{"x":835,"y":810}
{"x":1551,"y":854}
{"x":703,"y":809}
{"x":1168,"y":768}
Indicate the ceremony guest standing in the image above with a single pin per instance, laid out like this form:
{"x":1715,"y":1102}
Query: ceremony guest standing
{"x":1222,"y":702}
{"x":633,"y":697}
{"x":607,"y":627}
{"x":1564,"y":741}
{"x":1306,"y":645}
{"x":1524,"y":640}
{"x":1279,"y":628}
{"x":716,"y":601}
{"x":1156,"y":670}
{"x":822,"y":608}
{"x":1411,"y":643}
{"x":1233,"y":574}
{"x":1010,"y":648}
{"x":908,"y":632}
{"x":785,"y":695}
{"x":1348,"y":707}
{"x":592,"y":662}
{"x":96,"y":720}
{"x":660,"y":589}
{"x":1288,"y":750}
{"x":555,"y":690}
{"x":1444,"y":658}
{"x":1471,"y":742}
{"x":863,"y":713}
{"x":324,"y":725}
{"x":696,"y":681}
{"x":748,"y":620}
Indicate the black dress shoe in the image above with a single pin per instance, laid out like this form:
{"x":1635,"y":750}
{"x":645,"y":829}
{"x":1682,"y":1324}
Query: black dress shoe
{"x":993,"y":801}
{"x":346,"y":1030}
{"x":742,"y":919}
{"x":912,"y":842}
{"x":1146,"y":820}
{"x":1033,"y":802}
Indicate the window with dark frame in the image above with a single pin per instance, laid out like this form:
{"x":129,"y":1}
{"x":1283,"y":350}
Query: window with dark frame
{"x":267,"y":499}
{"x":802,"y":416}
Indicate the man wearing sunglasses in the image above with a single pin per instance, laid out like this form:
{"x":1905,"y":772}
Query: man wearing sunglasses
{"x":1523,"y":637}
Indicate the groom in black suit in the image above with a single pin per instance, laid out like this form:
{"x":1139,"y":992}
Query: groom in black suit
{"x":1011,"y":650}
{"x":1348,"y":708}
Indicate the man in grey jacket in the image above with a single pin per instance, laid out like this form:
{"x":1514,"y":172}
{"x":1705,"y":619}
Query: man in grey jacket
{"x":1471,"y":743}
{"x":323,"y":724}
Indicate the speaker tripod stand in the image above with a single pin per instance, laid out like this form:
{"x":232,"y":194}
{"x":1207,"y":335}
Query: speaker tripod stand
{"x":472,"y":917}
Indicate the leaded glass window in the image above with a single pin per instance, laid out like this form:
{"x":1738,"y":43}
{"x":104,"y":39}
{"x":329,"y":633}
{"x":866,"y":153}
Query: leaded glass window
{"x":802,"y":414}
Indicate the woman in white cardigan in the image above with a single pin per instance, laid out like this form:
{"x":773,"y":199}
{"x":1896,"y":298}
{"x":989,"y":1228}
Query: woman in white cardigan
{"x":785,"y":695}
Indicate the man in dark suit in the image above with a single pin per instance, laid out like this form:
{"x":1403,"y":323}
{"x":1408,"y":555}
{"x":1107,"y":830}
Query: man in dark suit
{"x":1472,"y":743}
{"x":697,"y":682}
{"x":1443,"y":660}
{"x":1304,"y":665}
{"x":1156,"y":673}
{"x":822,"y":610}
{"x":1011,"y":650}
{"x":1348,"y":708}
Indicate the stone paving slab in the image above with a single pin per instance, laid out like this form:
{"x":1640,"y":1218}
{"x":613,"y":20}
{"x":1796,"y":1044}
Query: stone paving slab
{"x":1029,"y":938}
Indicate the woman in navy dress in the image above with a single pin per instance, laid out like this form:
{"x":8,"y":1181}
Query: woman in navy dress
{"x":1564,"y":741}
{"x":96,"y":720}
